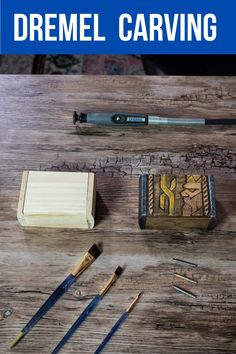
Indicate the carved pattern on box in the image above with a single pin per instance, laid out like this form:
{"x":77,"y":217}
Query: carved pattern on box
{"x":192,"y":196}
{"x":205,"y":195}
{"x":168,"y":193}
{"x":151,"y":194}
{"x":176,"y":197}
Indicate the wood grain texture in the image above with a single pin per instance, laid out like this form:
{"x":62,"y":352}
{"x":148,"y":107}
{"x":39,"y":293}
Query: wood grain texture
{"x":36,"y":133}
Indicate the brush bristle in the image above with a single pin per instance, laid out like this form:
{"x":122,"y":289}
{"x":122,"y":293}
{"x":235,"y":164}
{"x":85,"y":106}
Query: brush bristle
{"x":118,"y":271}
{"x":95,"y":251}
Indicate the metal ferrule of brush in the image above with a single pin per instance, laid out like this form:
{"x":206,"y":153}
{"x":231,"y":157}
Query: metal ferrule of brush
{"x":82,"y":265}
{"x":111,"y":281}
{"x":86,"y":261}
{"x":132,"y":305}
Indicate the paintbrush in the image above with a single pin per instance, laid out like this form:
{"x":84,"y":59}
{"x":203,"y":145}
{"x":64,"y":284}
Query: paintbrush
{"x":117,"y":325}
{"x":91,"y":306}
{"x":86,"y":261}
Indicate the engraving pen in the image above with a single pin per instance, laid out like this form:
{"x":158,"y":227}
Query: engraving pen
{"x":127,"y":119}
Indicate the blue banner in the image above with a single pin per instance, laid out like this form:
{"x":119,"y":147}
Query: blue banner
{"x":122,"y":27}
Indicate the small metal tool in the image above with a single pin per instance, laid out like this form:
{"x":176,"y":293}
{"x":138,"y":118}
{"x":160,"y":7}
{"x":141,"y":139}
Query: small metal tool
{"x":185,"y":292}
{"x":185,"y":278}
{"x":128,"y":119}
{"x":185,"y":262}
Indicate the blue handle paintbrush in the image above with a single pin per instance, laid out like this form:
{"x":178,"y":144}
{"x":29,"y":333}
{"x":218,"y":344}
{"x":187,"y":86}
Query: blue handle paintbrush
{"x":91,"y":306}
{"x":117,"y":325}
{"x":88,"y":259}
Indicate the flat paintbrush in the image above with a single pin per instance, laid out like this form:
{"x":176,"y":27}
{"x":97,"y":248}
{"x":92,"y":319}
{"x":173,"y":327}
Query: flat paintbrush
{"x":91,"y":306}
{"x":88,"y":259}
{"x":117,"y":325}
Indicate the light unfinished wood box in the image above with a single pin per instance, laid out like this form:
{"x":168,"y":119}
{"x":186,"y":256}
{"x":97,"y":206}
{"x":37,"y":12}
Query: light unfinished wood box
{"x":57,"y":199}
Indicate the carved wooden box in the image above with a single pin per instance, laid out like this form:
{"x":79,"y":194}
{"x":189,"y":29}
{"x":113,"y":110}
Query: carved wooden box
{"x":176,"y":202}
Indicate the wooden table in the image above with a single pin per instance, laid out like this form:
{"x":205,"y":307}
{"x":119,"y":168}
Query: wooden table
{"x":36,"y":132}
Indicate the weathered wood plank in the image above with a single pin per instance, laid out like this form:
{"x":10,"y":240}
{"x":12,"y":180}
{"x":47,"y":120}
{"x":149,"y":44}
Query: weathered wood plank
{"x":36,"y":133}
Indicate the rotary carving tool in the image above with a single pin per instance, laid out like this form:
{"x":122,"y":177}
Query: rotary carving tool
{"x":127,"y":119}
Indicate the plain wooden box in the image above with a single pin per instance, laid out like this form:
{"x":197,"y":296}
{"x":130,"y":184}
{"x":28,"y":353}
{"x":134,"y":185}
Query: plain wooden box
{"x":57,"y":199}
